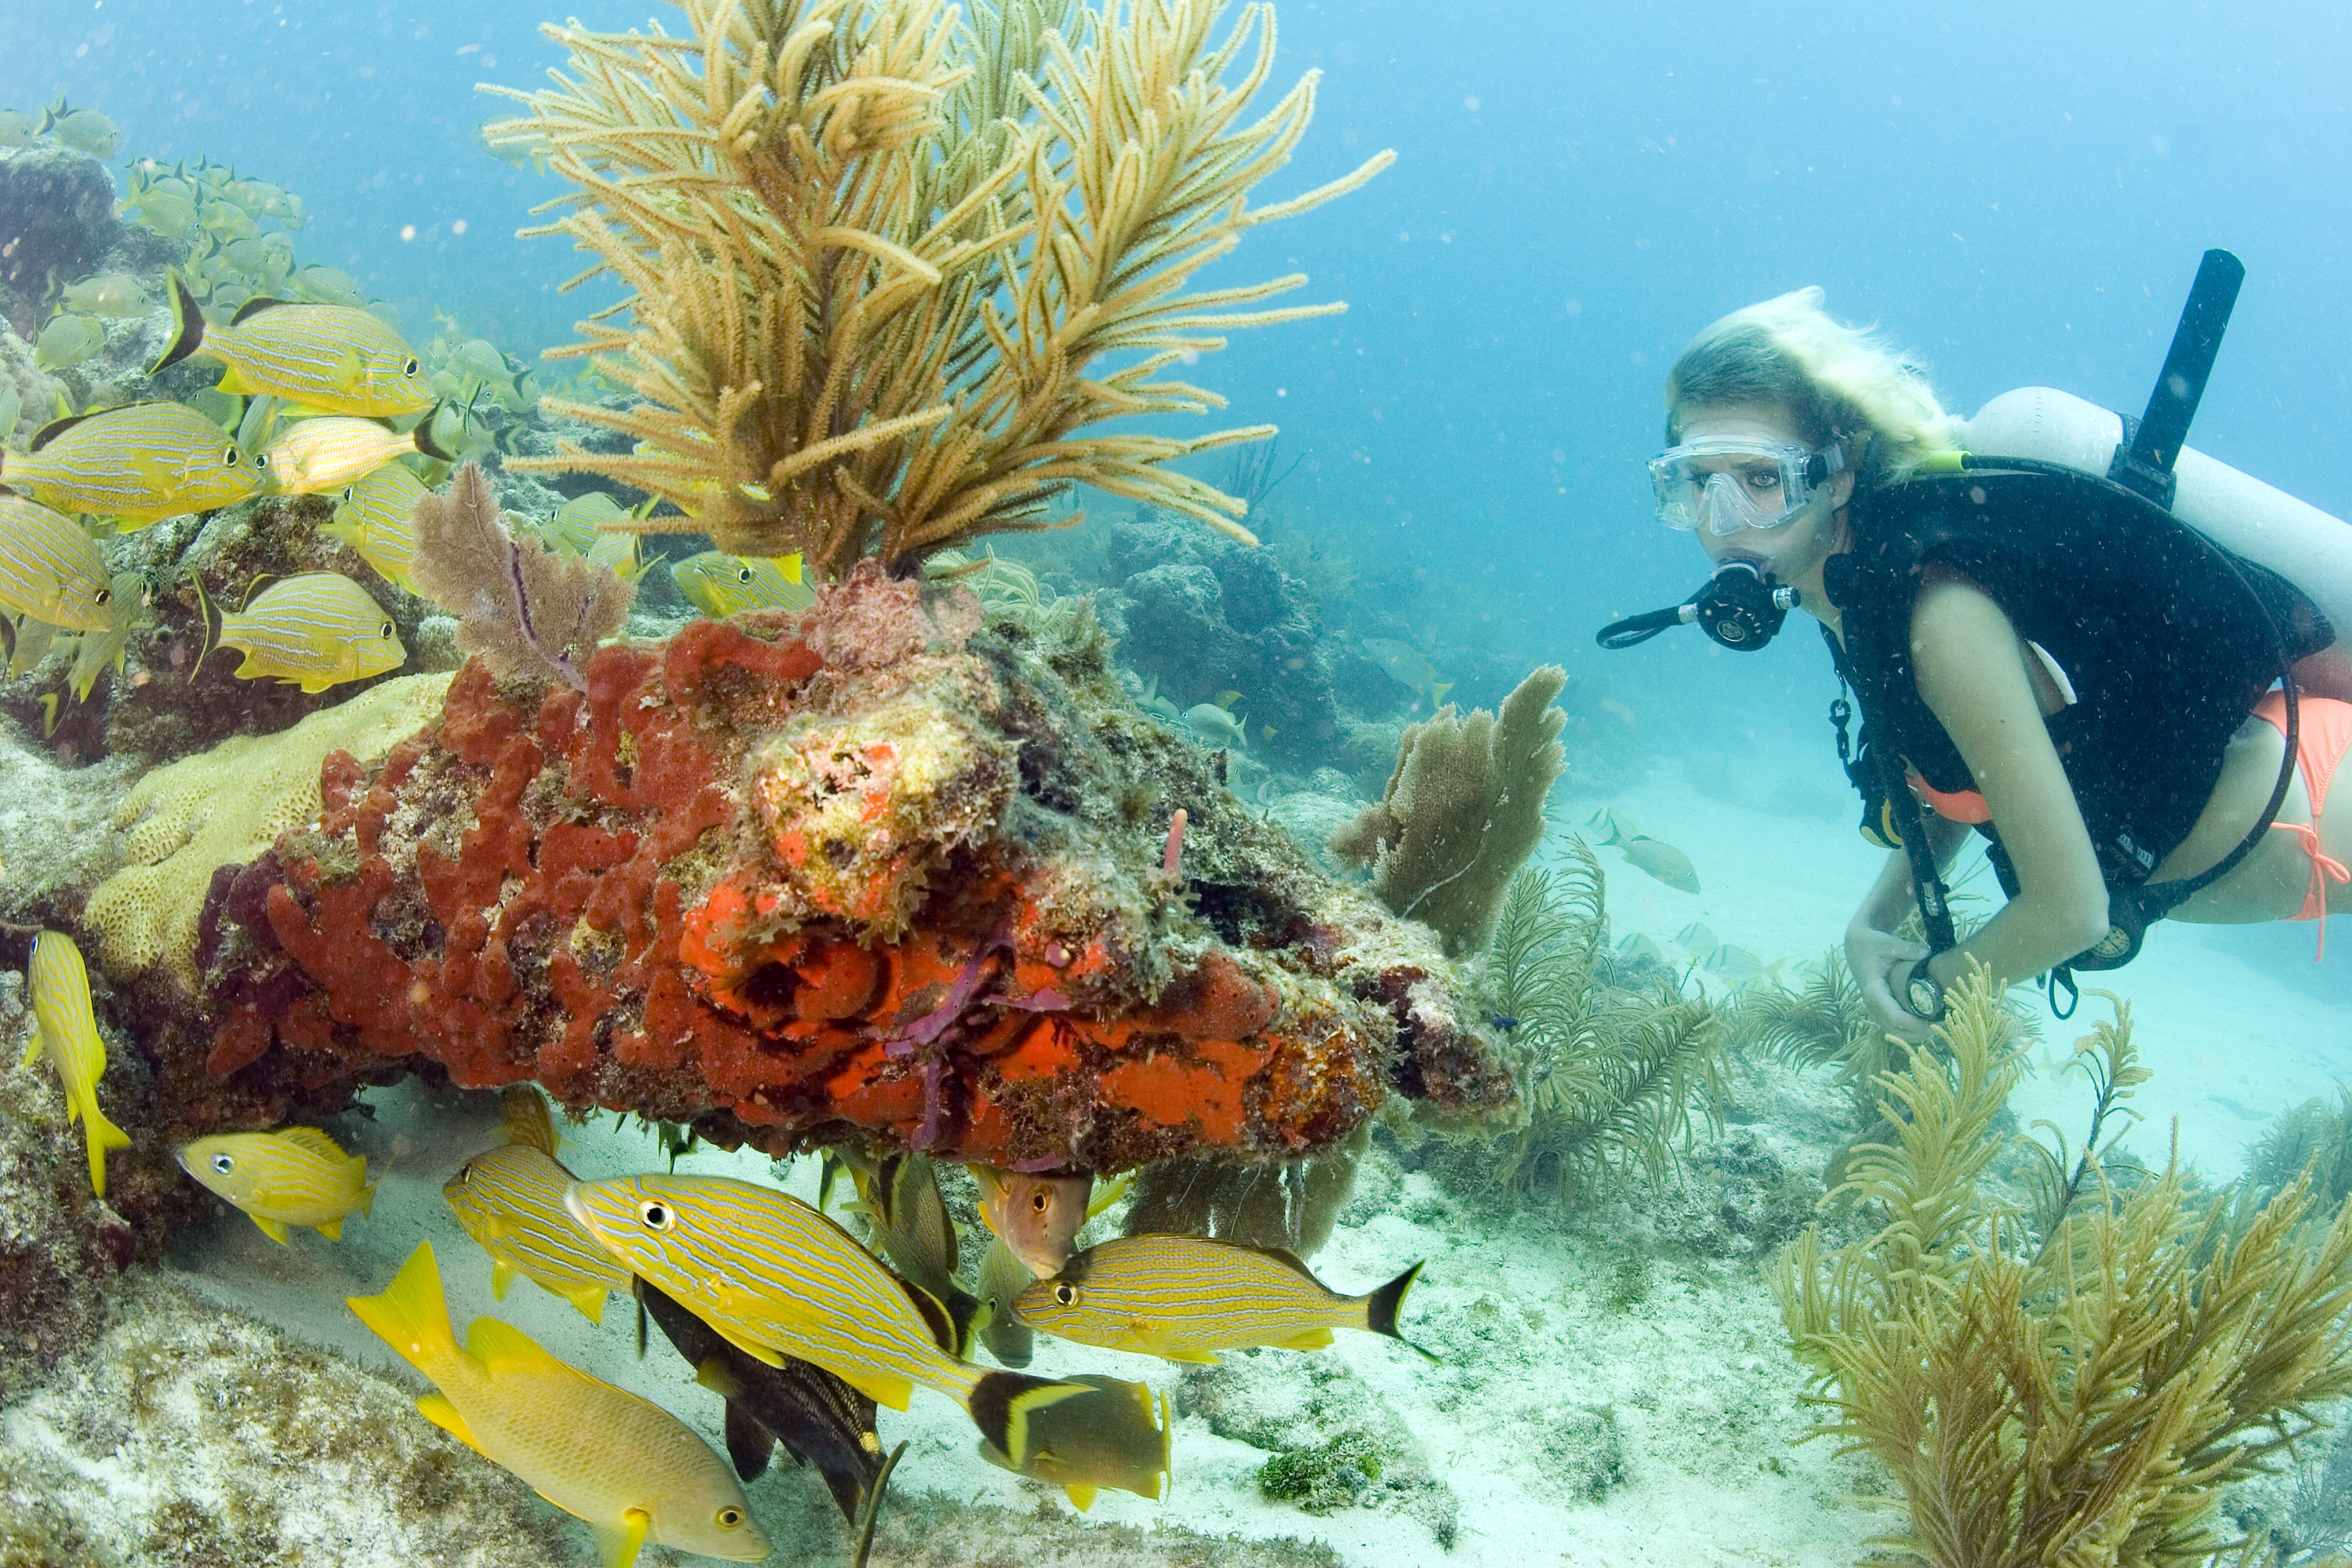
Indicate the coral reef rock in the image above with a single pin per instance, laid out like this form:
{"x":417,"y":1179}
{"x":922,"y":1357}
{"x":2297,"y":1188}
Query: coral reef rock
{"x":870,"y":874}
{"x":1206,"y":614}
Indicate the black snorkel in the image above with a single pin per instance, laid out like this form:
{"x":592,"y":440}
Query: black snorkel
{"x":1740,"y":607}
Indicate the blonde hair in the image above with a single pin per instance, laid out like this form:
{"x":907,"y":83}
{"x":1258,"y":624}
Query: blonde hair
{"x":1838,"y":383}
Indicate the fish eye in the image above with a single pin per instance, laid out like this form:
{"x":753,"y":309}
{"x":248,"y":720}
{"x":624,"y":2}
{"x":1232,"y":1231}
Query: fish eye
{"x":103,"y":595}
{"x":385,"y":630}
{"x":730,"y":1517}
{"x":1066,"y":1293}
{"x":223,"y":1163}
{"x":1039,"y":1202}
{"x":743,"y":573}
{"x":228,"y":456}
{"x":657,"y":1214}
{"x":408,"y":368}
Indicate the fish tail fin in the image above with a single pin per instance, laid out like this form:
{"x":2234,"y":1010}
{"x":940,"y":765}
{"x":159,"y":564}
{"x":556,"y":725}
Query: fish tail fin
{"x":187,"y":323}
{"x":1000,"y":1404}
{"x":101,"y":1135}
{"x":1381,"y":1306}
{"x":212,"y":619}
{"x":410,"y":1316}
{"x":424,"y":435}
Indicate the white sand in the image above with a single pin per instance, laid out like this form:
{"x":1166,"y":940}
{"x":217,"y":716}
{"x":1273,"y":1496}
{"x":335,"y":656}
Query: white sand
{"x":1694,"y":1376}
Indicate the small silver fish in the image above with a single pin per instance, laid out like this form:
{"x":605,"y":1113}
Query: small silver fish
{"x":1659,"y":859}
{"x":111,"y":296}
{"x":1216,"y":726}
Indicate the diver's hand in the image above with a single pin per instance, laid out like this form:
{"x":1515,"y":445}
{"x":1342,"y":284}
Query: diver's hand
{"x":1873,"y":955}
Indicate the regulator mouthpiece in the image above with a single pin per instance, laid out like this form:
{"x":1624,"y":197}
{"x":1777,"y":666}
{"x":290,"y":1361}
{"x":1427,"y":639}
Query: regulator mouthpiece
{"x":1739,"y":608}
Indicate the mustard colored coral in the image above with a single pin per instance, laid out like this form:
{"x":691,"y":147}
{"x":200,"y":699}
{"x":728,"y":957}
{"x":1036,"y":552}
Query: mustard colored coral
{"x":223,"y":807}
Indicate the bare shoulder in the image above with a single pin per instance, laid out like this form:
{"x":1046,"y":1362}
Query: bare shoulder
{"x":1959,"y":637}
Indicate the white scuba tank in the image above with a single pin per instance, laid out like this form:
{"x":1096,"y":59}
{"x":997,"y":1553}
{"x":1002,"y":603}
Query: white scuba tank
{"x":2267,"y":526}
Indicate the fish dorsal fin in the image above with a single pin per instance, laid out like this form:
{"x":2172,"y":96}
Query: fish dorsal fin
{"x":315,"y":1141}
{"x":523,"y":1110}
{"x":56,"y":427}
{"x":252,"y":307}
{"x":502,"y":1347}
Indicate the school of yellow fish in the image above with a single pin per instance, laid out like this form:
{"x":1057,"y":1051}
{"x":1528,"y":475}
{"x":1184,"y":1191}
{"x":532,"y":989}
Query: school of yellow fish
{"x":800,"y":1328}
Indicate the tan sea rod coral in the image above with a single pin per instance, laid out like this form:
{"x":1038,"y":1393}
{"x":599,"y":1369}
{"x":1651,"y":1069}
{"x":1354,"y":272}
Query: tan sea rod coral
{"x":877,"y":250}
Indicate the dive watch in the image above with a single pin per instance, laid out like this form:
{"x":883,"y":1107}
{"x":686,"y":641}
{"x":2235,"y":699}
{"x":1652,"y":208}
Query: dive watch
{"x":1921,"y":996}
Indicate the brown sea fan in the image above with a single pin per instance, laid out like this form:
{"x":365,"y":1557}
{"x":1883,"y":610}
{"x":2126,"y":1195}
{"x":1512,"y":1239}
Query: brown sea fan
{"x":521,"y":608}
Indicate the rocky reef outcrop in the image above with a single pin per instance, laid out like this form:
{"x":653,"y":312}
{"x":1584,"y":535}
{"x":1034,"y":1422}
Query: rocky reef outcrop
{"x":874,"y":873}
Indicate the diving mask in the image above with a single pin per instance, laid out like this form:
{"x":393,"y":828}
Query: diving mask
{"x":1737,"y":482}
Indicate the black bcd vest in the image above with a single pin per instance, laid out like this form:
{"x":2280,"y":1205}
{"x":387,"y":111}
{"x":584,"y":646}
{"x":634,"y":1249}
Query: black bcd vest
{"x":2168,"y":639}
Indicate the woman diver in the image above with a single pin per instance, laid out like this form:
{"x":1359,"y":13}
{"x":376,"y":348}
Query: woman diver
{"x":2039,"y":653}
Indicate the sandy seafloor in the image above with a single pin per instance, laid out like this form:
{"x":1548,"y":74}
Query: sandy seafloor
{"x":1565,"y":1424}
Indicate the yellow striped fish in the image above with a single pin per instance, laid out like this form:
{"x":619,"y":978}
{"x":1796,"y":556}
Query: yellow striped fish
{"x":318,"y":457}
{"x":777,"y":1277}
{"x":314,"y":629}
{"x":50,"y":568}
{"x":296,"y":1175}
{"x":377,"y":516}
{"x":67,"y":1030}
{"x":630,"y":1469}
{"x":334,"y":358}
{"x":139,"y":462}
{"x":511,"y":1201}
{"x":722,"y":585}
{"x":1185,"y":1297}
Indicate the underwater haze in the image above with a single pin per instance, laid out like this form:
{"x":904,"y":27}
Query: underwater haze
{"x":792,"y":875}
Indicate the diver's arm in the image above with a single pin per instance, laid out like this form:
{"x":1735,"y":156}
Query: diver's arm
{"x":1971,"y":673}
{"x":1872,"y":948}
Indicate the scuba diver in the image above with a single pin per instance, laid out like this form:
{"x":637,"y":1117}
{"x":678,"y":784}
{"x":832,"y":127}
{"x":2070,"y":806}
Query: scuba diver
{"x":2116,"y":659}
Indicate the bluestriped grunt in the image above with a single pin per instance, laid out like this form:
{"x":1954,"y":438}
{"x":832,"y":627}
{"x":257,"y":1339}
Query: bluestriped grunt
{"x":140,"y":462}
{"x":1186,"y":1298}
{"x":510,"y":1200}
{"x":320,"y":456}
{"x":67,"y":1030}
{"x":775,"y":1277}
{"x":314,"y":629}
{"x":334,"y":358}
{"x":720,"y":585}
{"x":50,"y":568}
{"x":296,"y":1175}
{"x":629,"y":1469}
{"x":377,"y":516}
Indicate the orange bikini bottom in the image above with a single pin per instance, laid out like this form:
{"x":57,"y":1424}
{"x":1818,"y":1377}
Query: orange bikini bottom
{"x":2324,"y":733}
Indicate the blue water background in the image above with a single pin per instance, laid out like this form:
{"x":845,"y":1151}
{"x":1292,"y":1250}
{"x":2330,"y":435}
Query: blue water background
{"x":2020,"y":191}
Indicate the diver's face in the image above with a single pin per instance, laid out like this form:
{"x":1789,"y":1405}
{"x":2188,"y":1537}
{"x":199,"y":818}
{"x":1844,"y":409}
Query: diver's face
{"x":1792,"y":552}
